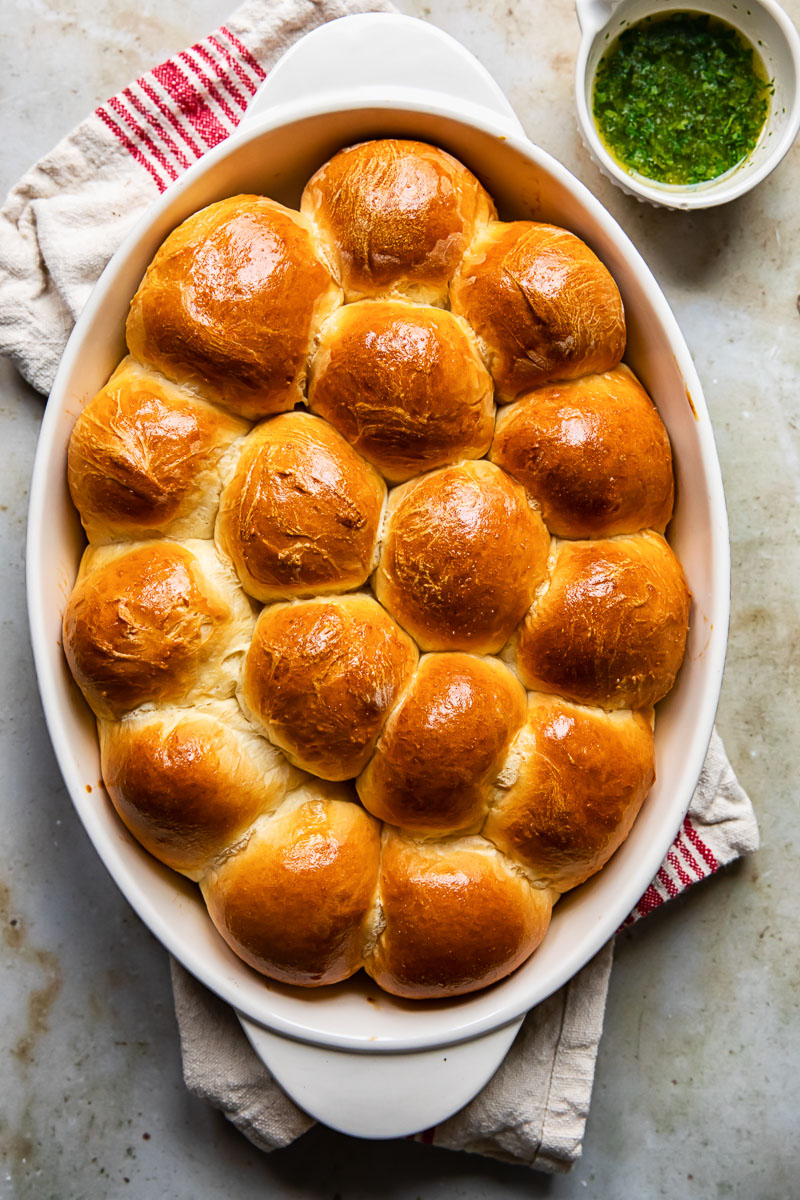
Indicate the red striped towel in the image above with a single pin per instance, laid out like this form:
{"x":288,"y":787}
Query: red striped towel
{"x":58,"y":228}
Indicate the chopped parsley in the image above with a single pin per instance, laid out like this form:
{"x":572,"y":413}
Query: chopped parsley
{"x":680,"y":99}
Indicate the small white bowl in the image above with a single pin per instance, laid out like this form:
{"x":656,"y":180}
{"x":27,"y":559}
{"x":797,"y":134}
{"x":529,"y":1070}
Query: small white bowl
{"x":764,"y":24}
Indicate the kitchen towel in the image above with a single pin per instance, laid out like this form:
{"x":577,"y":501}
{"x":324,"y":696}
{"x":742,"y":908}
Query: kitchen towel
{"x":58,"y":228}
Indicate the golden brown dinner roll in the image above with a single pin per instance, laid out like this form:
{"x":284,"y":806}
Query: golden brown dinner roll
{"x":321,"y":677}
{"x":592,"y":452}
{"x":405,"y":384}
{"x":542,"y":304}
{"x":144,"y":458}
{"x":462,"y":557}
{"x":301,"y":513}
{"x":155,"y":623}
{"x":395,"y":218}
{"x":295,"y":901}
{"x":231,"y":304}
{"x":610,"y":629}
{"x":188,"y":783}
{"x":443,"y":744}
{"x":457,"y":916}
{"x":569,"y":792}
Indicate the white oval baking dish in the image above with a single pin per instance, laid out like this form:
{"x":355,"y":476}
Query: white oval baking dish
{"x":357,"y":1058}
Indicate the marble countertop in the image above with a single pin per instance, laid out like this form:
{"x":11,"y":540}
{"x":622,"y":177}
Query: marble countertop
{"x":697,"y":1091}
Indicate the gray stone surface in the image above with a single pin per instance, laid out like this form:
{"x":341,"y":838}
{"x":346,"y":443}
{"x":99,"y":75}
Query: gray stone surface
{"x":697,"y":1084}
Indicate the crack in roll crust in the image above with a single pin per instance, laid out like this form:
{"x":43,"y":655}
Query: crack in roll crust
{"x":271,"y":732}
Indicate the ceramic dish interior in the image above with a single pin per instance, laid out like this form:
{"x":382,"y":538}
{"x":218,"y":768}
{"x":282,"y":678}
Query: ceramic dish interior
{"x":275,"y":155}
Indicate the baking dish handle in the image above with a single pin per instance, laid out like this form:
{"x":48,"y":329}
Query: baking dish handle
{"x":381,"y":51}
{"x":376,"y":1094}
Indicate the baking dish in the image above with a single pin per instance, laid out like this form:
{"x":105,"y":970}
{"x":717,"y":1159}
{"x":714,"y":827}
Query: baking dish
{"x":357,"y":1058}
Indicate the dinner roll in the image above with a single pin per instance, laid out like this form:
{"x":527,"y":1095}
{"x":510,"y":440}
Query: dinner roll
{"x":301,"y":513}
{"x":456,"y":915}
{"x":295,"y":901}
{"x":231,"y":304}
{"x":592,"y":452}
{"x":542,"y":304}
{"x":188,"y":783}
{"x":320,"y":678}
{"x":569,"y":792}
{"x":144,"y":459}
{"x":462,"y":557}
{"x":405,"y":384}
{"x":443,"y":744}
{"x":395,"y":217}
{"x":610,"y":630}
{"x":155,"y":623}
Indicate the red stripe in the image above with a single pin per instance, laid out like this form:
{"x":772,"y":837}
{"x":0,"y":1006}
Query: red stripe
{"x":130,"y":147}
{"x":689,"y":857}
{"x":190,"y":102}
{"x":142,"y":135}
{"x":159,"y":128}
{"x":699,"y":844}
{"x":167,"y":112}
{"x":675,"y":863}
{"x":209,"y":87}
{"x":221,"y":75}
{"x":233,"y":63}
{"x":650,"y":900}
{"x":668,"y":884}
{"x":252,"y":63}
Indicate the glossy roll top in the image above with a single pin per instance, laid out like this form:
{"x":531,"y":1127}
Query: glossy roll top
{"x":610,"y":630}
{"x":395,"y":217}
{"x":320,"y":678}
{"x":405,"y":384}
{"x":230,"y":305}
{"x":301,"y":513}
{"x":542,"y":304}
{"x":593,"y":453}
{"x":145,"y":459}
{"x":462,"y":557}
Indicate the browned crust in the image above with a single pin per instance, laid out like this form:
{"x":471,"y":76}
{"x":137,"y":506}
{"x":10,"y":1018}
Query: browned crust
{"x":144,"y":458}
{"x":189,"y":783}
{"x":295,"y":901}
{"x":457,"y":918}
{"x":231,"y":303}
{"x":395,"y":216}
